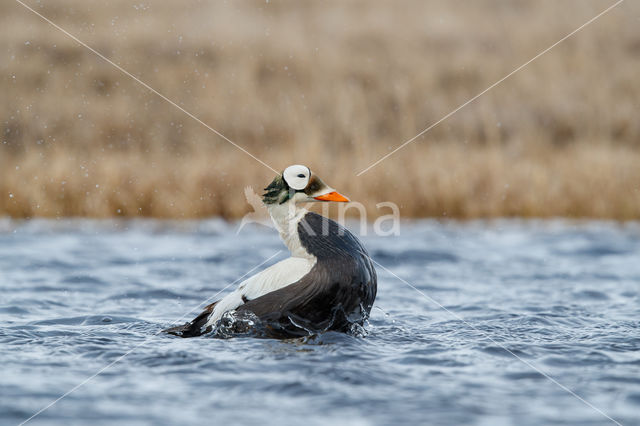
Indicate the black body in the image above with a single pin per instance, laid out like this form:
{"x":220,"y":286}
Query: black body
{"x":338,"y":291}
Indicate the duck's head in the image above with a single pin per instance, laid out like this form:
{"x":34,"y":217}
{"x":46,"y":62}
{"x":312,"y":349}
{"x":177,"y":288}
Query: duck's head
{"x":298,"y":185}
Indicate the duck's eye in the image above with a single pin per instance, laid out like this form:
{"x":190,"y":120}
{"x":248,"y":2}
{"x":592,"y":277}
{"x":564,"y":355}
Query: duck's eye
{"x":296,"y":176}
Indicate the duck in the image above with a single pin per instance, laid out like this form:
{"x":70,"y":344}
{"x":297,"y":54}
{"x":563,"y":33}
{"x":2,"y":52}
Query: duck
{"x":328,"y":283}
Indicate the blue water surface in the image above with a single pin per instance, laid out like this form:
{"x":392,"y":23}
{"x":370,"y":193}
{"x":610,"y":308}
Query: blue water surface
{"x":507,"y":319}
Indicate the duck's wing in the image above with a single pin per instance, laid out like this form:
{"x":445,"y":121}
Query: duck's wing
{"x":337,"y":292}
{"x":333,"y":295}
{"x":275,"y":277}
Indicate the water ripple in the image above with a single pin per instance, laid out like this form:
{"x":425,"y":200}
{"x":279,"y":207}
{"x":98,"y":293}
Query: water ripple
{"x":563,"y":296}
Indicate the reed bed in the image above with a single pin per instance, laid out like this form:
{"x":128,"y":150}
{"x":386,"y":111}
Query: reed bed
{"x":335,"y":85}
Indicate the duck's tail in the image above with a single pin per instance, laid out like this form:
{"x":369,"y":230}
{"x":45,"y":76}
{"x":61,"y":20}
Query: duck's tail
{"x":195,"y":328}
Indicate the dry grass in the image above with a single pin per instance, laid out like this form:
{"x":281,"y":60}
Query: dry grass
{"x":334,"y":85}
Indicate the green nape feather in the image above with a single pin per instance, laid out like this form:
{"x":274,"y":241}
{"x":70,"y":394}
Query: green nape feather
{"x":277,"y":192}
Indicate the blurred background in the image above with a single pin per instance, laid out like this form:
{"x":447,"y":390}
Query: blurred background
{"x":334,"y":85}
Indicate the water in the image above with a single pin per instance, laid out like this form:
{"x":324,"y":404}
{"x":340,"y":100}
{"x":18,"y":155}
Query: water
{"x":564,"y":297}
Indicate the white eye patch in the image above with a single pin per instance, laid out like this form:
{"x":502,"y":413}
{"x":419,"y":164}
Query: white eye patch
{"x":297,"y":176}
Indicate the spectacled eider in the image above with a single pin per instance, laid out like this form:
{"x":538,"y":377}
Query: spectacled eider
{"x":328,"y":283}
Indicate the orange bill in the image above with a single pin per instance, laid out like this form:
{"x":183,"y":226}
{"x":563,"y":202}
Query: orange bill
{"x":332,"y":196}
